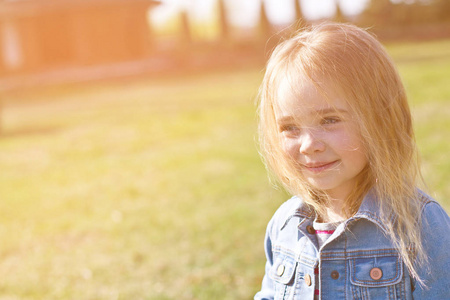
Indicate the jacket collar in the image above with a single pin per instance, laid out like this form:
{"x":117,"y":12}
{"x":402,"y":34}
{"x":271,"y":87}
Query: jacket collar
{"x":369,"y":209}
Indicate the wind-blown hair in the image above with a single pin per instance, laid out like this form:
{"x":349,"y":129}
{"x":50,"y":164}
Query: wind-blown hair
{"x":356,"y":65}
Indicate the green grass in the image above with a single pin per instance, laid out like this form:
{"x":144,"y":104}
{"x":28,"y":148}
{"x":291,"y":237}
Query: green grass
{"x":153,"y":188}
{"x":425,"y":69}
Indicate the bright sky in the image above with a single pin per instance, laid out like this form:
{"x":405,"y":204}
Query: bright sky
{"x":246,"y":12}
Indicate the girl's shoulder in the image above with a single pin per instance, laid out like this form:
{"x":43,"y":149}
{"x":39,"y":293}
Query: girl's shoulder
{"x":294,"y":208}
{"x":432,"y":212}
{"x":289,"y":206}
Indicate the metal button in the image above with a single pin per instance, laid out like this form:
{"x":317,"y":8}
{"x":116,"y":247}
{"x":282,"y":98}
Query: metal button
{"x":376,"y":273}
{"x":310,"y":229}
{"x":335,"y":274}
{"x":308,"y":279}
{"x":280,"y":270}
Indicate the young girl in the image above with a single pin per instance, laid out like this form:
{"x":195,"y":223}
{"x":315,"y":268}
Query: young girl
{"x":335,"y":130}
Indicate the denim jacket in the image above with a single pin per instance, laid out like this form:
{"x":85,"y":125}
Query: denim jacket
{"x":358,"y":261}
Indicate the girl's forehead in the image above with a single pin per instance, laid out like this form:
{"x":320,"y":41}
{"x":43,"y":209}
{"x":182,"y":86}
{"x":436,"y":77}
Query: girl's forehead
{"x":303,"y":97}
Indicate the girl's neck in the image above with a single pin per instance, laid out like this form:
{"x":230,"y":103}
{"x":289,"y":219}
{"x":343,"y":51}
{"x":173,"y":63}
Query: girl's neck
{"x":332,"y":216}
{"x":333,"y":212}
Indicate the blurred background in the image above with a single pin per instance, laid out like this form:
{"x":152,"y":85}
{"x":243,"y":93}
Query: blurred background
{"x":128,"y":155}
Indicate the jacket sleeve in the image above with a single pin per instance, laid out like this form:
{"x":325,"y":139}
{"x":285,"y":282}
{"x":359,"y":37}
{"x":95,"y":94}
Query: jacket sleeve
{"x":267,"y":289}
{"x":435,"y":273}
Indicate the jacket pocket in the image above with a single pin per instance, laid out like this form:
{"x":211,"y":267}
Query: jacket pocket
{"x":283,"y":274}
{"x":377,"y":278}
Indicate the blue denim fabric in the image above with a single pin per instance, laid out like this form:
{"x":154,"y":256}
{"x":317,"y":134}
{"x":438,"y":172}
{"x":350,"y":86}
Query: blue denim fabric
{"x":356,"y":247}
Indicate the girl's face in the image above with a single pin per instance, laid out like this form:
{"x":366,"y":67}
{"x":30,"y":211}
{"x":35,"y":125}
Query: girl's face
{"x":321,"y":136}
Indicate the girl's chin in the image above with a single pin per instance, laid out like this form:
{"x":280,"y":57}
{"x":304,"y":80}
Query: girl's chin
{"x":323,"y":185}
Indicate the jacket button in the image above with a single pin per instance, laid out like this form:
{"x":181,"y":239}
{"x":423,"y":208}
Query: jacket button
{"x":308,"y":280}
{"x":376,"y":273}
{"x":310,"y":229}
{"x":335,"y":274}
{"x":280,"y":270}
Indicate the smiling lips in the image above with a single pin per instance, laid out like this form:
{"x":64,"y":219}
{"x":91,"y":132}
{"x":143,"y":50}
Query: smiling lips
{"x":319,"y":166}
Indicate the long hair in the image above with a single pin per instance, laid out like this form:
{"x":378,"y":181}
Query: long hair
{"x":356,"y":65}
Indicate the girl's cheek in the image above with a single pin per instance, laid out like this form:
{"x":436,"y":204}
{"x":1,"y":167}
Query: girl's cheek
{"x":290,"y":147}
{"x":347,"y":139}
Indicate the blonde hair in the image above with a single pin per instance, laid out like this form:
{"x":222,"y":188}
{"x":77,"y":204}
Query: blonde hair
{"x":357,"y":65}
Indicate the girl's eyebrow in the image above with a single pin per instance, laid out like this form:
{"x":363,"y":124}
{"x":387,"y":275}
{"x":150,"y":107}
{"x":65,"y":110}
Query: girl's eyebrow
{"x":329,"y":110}
{"x":285,"y":119}
{"x":323,"y":111}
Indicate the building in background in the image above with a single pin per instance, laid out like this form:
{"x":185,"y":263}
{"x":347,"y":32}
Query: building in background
{"x":42,"y":35}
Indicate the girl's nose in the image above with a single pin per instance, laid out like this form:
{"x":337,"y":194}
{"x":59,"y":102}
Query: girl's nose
{"x":310,"y":143}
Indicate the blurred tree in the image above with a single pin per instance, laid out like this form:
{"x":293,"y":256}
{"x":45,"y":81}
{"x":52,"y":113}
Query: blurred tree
{"x":265,"y":27}
{"x":339,"y":16}
{"x":223,"y":21}
{"x":378,"y":12}
{"x":298,"y":15}
{"x":186,"y":34}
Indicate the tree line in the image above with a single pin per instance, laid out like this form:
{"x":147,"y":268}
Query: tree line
{"x":387,"y":13}
{"x":378,"y":13}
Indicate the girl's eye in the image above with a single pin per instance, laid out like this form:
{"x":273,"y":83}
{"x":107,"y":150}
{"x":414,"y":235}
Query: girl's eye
{"x":330,"y":120}
{"x":289,"y":129}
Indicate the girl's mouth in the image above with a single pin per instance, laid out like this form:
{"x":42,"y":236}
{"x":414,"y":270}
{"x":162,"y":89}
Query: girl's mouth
{"x":318,"y":167}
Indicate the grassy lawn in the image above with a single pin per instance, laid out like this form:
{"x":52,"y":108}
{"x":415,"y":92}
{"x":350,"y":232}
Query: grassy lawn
{"x":153,"y":188}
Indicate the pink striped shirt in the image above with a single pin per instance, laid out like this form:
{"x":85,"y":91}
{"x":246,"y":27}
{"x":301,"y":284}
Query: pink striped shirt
{"x":322,"y":231}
